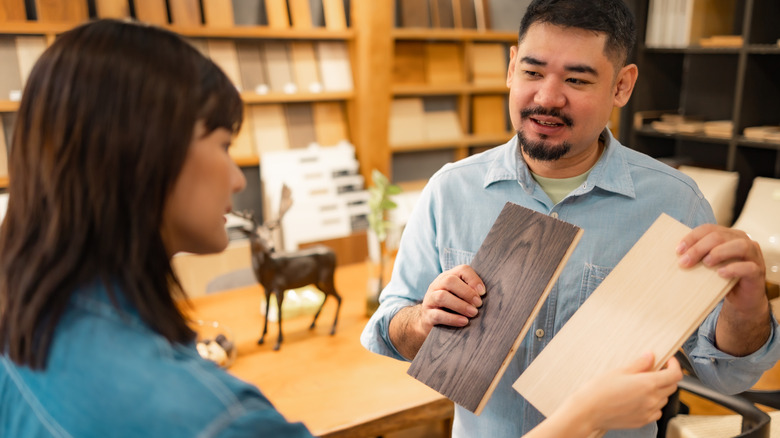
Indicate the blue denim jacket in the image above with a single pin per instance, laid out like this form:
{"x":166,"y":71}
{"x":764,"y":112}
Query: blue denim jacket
{"x":109,"y":375}
{"x":624,"y":193}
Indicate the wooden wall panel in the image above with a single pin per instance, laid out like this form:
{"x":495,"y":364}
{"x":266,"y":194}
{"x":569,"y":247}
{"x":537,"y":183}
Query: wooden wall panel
{"x":151,"y":11}
{"x":61,"y":11}
{"x":519,"y":261}
{"x":335,"y":16}
{"x":12,"y":10}
{"x":185,"y":12}
{"x":112,"y":8}
{"x":330,"y":125}
{"x":218,"y":13}
{"x":647,"y":303}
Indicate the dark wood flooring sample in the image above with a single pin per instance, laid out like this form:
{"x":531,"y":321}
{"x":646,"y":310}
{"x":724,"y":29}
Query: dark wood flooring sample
{"x":415,"y":13}
{"x":519,"y":261}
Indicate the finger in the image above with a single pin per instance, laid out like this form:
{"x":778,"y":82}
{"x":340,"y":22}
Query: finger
{"x":742,"y":269}
{"x":734,"y":249}
{"x":470,"y":277}
{"x":640,"y":365}
{"x":442,"y":317}
{"x":694,"y":236}
{"x":455,"y":280}
{"x":700,"y":248}
{"x":444,"y":299}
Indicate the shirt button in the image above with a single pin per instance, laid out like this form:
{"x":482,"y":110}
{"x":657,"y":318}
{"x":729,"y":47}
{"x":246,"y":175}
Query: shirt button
{"x":554,"y":215}
{"x":539,"y":333}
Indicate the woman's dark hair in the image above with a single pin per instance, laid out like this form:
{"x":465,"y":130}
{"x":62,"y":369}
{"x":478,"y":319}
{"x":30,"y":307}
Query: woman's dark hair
{"x":611,"y":17}
{"x":102,"y":132}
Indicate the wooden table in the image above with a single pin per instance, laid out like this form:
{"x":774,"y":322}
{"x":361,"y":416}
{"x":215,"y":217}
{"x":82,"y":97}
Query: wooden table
{"x":330,"y":383}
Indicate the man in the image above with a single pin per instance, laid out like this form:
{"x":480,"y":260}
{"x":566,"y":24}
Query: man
{"x":565,"y":75}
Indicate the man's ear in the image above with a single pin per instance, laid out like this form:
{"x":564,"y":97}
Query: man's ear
{"x":624,"y":84}
{"x":510,"y":72}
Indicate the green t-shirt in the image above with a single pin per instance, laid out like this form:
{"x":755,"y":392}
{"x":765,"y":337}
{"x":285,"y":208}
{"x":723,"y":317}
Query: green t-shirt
{"x":558,"y":188}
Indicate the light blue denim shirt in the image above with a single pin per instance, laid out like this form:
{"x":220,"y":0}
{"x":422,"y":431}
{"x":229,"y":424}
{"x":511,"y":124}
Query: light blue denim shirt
{"x":109,"y":375}
{"x":623,"y":195}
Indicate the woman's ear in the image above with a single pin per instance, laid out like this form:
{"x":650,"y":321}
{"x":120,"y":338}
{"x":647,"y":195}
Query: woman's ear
{"x":624,"y":84}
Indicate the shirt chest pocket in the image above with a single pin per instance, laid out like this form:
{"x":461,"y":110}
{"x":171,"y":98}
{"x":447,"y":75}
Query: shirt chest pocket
{"x":592,"y":276}
{"x":451,"y":257}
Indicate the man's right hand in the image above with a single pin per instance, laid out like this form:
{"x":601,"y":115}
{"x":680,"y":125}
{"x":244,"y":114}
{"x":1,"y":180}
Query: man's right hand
{"x":450,"y":300}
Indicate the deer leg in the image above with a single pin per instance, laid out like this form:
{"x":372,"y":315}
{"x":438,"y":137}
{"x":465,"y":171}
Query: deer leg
{"x":316,"y":315}
{"x":338,"y":308}
{"x":279,"y":299}
{"x":267,"y":311}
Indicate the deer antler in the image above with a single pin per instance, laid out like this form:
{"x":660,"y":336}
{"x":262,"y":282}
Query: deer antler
{"x":284,"y":204}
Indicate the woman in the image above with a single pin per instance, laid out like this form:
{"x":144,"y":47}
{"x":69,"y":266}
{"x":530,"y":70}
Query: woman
{"x":118,"y":161}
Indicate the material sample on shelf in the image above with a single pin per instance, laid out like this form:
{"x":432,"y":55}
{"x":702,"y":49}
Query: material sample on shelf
{"x":444,"y":64}
{"x":647,"y":303}
{"x":519,"y":261}
{"x":224,"y":54}
{"x":28,"y":50}
{"x":488,"y":114}
{"x":304,"y":65}
{"x":407,"y":121}
{"x":409,"y":63}
{"x":10,"y":78}
{"x":112,"y":8}
{"x":488,"y":64}
{"x":13,"y":10}
{"x":335,"y":68}
{"x":252,"y":68}
{"x":330,"y":125}
{"x":71,"y":11}
{"x":218,"y":13}
{"x":185,"y":12}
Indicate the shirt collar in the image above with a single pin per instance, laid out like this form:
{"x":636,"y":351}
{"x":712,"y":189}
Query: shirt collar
{"x":611,"y":172}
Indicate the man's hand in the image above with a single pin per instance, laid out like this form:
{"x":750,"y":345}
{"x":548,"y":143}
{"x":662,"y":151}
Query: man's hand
{"x":451,"y":300}
{"x":743,"y":326}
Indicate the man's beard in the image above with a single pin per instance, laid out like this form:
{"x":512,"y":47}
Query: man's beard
{"x":540,"y":150}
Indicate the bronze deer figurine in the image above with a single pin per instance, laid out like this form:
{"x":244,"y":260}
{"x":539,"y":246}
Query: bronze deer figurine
{"x":280,"y":271}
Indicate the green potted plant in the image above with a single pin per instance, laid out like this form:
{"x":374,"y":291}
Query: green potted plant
{"x":379,"y":204}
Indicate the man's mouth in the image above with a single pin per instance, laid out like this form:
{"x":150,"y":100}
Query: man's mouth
{"x":560,"y":119}
{"x":543,"y":123}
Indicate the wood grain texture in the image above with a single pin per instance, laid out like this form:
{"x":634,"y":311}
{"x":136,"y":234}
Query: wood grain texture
{"x":444,"y":63}
{"x":277,"y":65}
{"x":185,"y":12}
{"x":330,"y":125}
{"x":276,"y":11}
{"x":300,"y":11}
{"x":488,"y":114}
{"x":151,"y":11}
{"x":28,"y":50}
{"x":251,"y":66}
{"x":482,"y":14}
{"x":335,"y":17}
{"x":407,"y":122}
{"x":442,"y":14}
{"x":12,"y":10}
{"x":218,"y":13}
{"x":415,"y":13}
{"x":488,"y":64}
{"x":61,"y":11}
{"x":465,"y":16}
{"x":300,"y":125}
{"x":519,"y":261}
{"x":270,"y":127}
{"x":223,"y":53}
{"x":409,"y":62}
{"x":112,"y":8}
{"x":304,"y":66}
{"x":10,"y":80}
{"x":335,"y":70}
{"x":647,"y":303}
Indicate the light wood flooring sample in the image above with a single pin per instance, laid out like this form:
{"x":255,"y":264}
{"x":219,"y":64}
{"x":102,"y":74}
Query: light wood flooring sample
{"x":335,"y":17}
{"x":444,"y":63}
{"x":185,"y":12}
{"x":151,"y":11}
{"x":409,"y":62}
{"x":488,"y":114}
{"x":277,"y":63}
{"x":488,"y":64}
{"x":242,"y":144}
{"x":519,"y":261}
{"x":61,"y":11}
{"x":647,"y":303}
{"x":270,"y":126}
{"x":10,"y":80}
{"x":251,"y":66}
{"x":304,"y":66}
{"x":28,"y":50}
{"x":330,"y":125}
{"x":407,"y":122}
{"x":112,"y":8}
{"x":277,"y":13}
{"x":335,"y":70}
{"x":481,"y":9}
{"x":465,"y":16}
{"x":218,"y":13}
{"x":223,"y":53}
{"x":300,"y":11}
{"x":12,"y":10}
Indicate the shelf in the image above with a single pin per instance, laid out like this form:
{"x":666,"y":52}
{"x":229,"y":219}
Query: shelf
{"x":650,"y":132}
{"x":452,"y":35}
{"x":247,"y":161}
{"x":254,"y":98}
{"x":694,"y":50}
{"x":462,"y":142}
{"x":4,"y":182}
{"x":746,"y":142}
{"x":36,"y":28}
{"x":764,"y":49}
{"x":444,"y":90}
{"x":8,"y":106}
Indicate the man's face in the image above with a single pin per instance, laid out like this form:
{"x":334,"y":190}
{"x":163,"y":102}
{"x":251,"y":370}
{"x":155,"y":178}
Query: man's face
{"x":562,"y":90}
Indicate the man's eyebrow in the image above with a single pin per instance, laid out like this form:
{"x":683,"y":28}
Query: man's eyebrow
{"x":576,"y":68}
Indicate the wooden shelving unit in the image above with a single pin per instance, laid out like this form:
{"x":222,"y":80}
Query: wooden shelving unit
{"x":737,"y":84}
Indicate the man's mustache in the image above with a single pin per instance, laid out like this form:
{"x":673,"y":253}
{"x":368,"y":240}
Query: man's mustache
{"x":552,"y":112}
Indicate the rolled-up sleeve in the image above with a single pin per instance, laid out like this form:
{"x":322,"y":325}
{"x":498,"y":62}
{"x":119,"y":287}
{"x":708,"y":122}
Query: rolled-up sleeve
{"x":724,"y":372}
